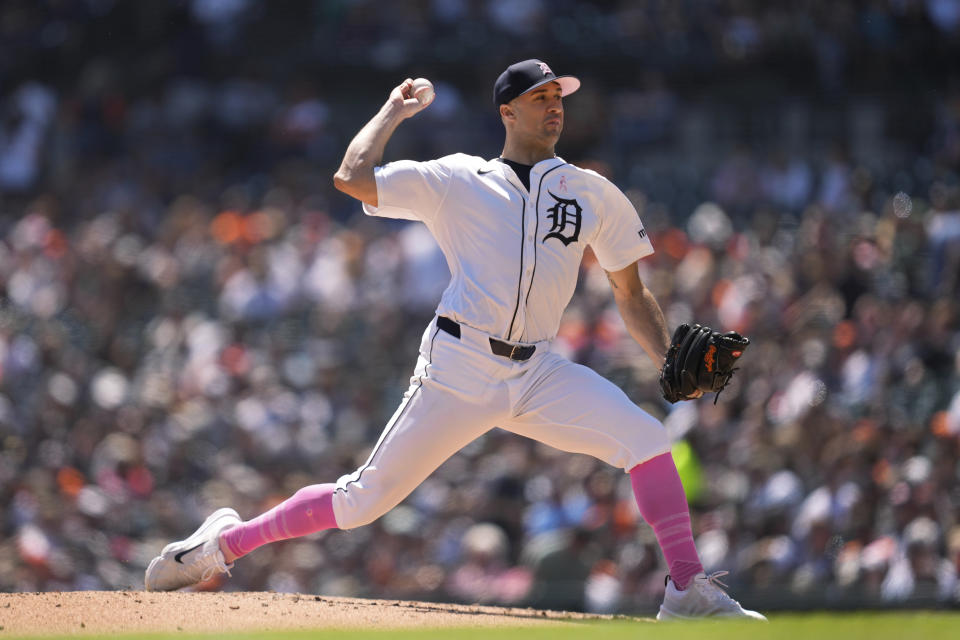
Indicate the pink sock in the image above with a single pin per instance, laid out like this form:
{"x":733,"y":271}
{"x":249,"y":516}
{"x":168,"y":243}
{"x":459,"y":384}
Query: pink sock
{"x":663,"y":504}
{"x":307,"y":511}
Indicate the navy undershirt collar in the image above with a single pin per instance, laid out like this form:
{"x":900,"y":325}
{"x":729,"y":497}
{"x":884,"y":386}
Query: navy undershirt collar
{"x":522,"y":170}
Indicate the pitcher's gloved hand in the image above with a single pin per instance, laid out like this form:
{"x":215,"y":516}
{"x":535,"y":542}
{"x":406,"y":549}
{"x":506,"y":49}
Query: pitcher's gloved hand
{"x":699,"y":360}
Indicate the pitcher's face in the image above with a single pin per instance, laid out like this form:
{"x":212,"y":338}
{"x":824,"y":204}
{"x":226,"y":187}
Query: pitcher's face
{"x":538,"y":114}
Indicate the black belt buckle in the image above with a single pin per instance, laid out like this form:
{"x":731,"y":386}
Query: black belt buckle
{"x":516,"y":352}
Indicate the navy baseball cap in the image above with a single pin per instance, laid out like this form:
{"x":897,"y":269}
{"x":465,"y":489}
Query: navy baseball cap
{"x":527,"y":75}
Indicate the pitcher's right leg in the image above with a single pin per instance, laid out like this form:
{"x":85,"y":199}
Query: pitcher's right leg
{"x":430,"y":426}
{"x":454,"y":397}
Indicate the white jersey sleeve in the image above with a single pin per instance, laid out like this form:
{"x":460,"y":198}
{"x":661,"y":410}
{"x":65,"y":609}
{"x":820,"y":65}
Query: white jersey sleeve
{"x":410,"y":190}
{"x":621,"y":239}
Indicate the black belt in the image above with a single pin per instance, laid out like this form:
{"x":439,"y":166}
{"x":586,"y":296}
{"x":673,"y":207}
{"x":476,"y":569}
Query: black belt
{"x":499,"y":347}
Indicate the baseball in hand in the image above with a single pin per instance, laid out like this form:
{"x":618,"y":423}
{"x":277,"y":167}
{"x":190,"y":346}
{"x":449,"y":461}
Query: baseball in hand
{"x":423,"y":91}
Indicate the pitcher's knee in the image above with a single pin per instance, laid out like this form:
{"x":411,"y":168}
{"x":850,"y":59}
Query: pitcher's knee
{"x":356,"y":503}
{"x":647,"y":443}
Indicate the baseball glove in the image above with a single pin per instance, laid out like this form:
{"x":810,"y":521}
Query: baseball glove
{"x":699,"y":359}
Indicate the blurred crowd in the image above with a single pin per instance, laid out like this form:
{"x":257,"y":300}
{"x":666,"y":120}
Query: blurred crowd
{"x":191,"y":316}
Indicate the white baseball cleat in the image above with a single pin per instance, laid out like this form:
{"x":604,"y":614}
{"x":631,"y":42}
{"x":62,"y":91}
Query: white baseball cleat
{"x":704,"y":597}
{"x":196,"y":559}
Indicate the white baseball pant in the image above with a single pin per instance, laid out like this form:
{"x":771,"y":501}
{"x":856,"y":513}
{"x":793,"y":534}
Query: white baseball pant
{"x":460,"y":390}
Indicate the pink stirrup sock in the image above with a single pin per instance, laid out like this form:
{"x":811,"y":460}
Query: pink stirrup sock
{"x":663,"y":504}
{"x":307,"y":511}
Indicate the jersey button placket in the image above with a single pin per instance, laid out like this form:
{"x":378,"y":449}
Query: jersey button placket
{"x":532,"y":221}
{"x":529,"y":250}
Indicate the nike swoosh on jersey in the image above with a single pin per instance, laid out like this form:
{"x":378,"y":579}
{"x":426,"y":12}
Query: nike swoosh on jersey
{"x":179,"y":556}
{"x":482,"y":172}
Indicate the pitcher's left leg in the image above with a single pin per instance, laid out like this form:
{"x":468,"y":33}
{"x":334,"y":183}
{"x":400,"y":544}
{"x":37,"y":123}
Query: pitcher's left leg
{"x":573,"y":408}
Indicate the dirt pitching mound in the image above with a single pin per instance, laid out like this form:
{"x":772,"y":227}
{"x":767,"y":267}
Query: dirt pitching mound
{"x":81,"y":612}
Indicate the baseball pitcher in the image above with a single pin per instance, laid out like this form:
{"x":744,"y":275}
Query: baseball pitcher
{"x":513,"y":230}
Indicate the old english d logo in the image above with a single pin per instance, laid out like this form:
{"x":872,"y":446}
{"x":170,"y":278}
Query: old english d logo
{"x":565,"y":217}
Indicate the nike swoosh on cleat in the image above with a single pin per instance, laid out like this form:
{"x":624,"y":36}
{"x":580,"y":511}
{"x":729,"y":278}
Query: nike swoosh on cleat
{"x":180,"y":555}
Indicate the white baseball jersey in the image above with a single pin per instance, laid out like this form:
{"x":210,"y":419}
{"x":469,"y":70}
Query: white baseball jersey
{"x":514,"y":256}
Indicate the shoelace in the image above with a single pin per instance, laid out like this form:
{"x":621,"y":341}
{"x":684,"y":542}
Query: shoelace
{"x":714,"y":579}
{"x":718,"y":593}
{"x":217,"y":566}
